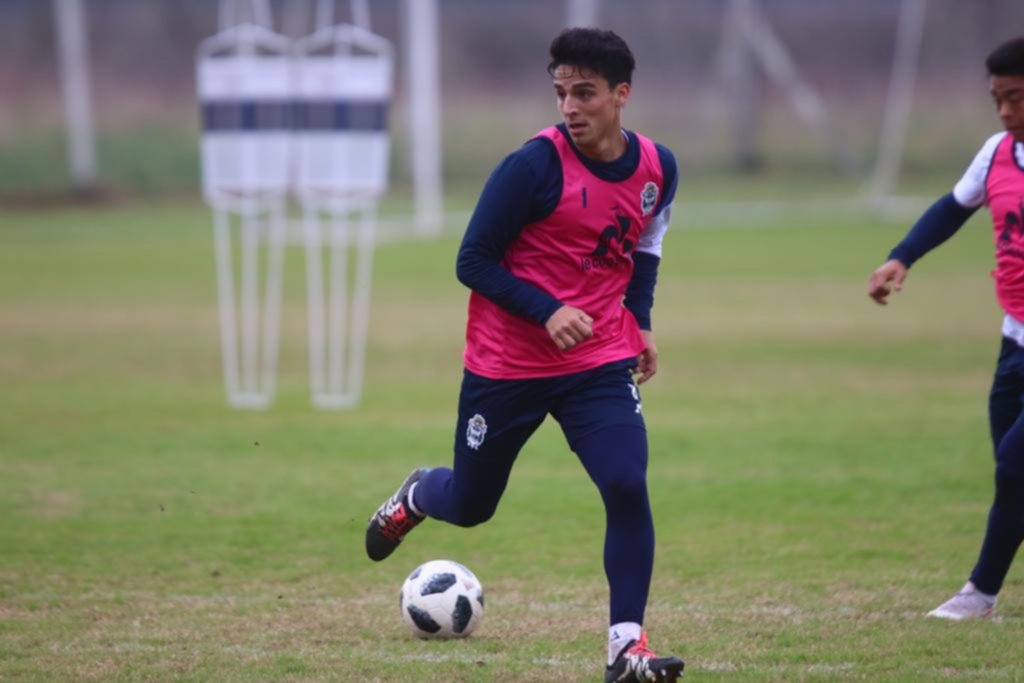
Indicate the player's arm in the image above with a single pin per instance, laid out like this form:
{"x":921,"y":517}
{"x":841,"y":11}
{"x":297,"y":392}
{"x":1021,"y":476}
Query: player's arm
{"x":941,"y":221}
{"x":639,"y":299}
{"x":524,"y":188}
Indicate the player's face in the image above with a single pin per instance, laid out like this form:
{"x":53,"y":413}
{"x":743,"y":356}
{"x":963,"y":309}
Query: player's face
{"x":590,"y":108}
{"x":1008,"y":94}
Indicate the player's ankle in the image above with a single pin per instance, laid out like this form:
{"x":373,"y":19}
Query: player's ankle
{"x":621,"y":635}
{"x":411,"y":503}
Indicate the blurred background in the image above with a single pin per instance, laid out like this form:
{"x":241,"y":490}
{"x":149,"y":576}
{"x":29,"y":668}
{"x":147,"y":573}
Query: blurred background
{"x":820,"y":468}
{"x":721,"y":119}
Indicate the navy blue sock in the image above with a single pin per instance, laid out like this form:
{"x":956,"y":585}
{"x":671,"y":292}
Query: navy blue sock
{"x":1005,"y":530}
{"x":1003,"y":535}
{"x":616,"y":459}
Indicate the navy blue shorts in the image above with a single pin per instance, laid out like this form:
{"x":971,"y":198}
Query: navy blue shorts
{"x":497,"y":416}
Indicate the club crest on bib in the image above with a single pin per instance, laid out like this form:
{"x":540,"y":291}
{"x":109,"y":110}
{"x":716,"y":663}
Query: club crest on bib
{"x":476,"y":431}
{"x":649,"y":198}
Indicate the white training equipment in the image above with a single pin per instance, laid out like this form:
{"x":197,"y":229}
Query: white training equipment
{"x":244,"y":83}
{"x":303,"y":120}
{"x":343,"y":80}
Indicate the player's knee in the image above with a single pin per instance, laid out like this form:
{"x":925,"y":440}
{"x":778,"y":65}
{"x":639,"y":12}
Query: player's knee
{"x":1009,"y":488}
{"x":1010,"y":459}
{"x":1009,"y":500}
{"x":473,"y":513}
{"x":628,"y":486}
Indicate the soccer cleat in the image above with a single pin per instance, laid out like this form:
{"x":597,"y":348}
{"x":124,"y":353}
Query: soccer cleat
{"x":637,"y":664}
{"x":969,"y":603}
{"x":392,"y":520}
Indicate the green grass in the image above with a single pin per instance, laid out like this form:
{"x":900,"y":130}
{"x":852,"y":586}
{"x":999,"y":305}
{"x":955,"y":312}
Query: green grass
{"x":820,"y":472}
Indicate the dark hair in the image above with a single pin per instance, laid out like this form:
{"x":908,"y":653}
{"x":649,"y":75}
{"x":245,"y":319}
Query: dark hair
{"x":1007,"y":59}
{"x":602,"y":52}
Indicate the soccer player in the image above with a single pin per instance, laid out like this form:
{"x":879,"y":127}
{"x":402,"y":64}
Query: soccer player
{"x":561,"y":255}
{"x":995,"y":178}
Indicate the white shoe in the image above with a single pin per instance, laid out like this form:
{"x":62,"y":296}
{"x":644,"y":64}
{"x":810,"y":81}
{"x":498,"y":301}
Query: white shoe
{"x":969,"y":603}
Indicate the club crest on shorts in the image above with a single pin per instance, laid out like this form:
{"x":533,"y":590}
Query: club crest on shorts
{"x":649,"y":198}
{"x":476,"y":431}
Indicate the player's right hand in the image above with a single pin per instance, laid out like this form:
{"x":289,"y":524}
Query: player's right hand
{"x":889,"y":276}
{"x":568,"y":326}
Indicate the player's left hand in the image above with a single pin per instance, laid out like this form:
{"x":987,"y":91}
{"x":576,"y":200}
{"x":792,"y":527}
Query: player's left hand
{"x":647,"y":361}
{"x":889,"y":276}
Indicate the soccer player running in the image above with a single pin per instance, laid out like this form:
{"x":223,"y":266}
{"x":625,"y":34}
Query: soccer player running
{"x":995,"y":178}
{"x":561,"y":255}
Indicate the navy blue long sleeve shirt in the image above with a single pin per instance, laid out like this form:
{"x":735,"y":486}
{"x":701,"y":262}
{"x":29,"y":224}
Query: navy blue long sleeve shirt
{"x":936,"y":225}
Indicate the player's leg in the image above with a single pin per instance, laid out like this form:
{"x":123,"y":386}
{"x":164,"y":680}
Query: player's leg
{"x":467,"y":494}
{"x":1005,"y":528}
{"x":616,"y":460}
{"x":496,"y":417}
{"x":1006,"y":518}
{"x":603,"y":422}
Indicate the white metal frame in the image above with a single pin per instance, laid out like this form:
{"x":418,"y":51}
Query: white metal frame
{"x":338,"y":304}
{"x":73,"y":52}
{"x":749,"y":36}
{"x":899,"y":99}
{"x":581,"y":13}
{"x":249,"y":176}
{"x":422,"y":35}
{"x":249,"y":348}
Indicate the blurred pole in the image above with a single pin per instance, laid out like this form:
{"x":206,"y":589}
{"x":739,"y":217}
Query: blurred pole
{"x":581,"y":12}
{"x":778,"y":65}
{"x":261,"y":14}
{"x":296,"y":20}
{"x":900,"y":98}
{"x":225,"y":15}
{"x":742,"y":84}
{"x":231,"y":13}
{"x":74,"y":75}
{"x":423,"y":70}
{"x":361,"y":14}
{"x":324,"y":14}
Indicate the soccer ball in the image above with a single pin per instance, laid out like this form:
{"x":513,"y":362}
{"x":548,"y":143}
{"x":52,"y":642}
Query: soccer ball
{"x":442,"y":599}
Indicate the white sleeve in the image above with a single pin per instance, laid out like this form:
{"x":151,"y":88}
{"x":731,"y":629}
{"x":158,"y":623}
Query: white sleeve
{"x":970,"y":191}
{"x":654,"y":233}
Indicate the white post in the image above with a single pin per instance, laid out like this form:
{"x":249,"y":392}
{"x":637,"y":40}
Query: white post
{"x":422,"y":57}
{"x":338,"y":299}
{"x":296,"y":18}
{"x":900,"y":97}
{"x":74,"y":73}
{"x":581,"y":12}
{"x":324,"y":14}
{"x":250,"y":303}
{"x":226,"y":297}
{"x":315,"y":297}
{"x":361,"y":14}
{"x":231,"y":13}
{"x":361,"y":300}
{"x":261,"y":13}
{"x":742,"y":84}
{"x":806,"y":103}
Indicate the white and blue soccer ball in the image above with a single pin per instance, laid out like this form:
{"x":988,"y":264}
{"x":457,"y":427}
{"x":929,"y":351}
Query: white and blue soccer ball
{"x":442,"y":599}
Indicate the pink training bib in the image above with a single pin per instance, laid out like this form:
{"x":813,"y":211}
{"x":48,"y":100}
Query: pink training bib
{"x":582,"y":255}
{"x":1004,"y":189}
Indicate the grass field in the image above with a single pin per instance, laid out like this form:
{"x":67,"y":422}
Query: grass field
{"x":820,"y":472}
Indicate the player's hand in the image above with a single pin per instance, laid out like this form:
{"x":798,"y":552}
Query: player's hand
{"x":888,"y":277}
{"x":647,"y":361}
{"x":568,"y":326}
